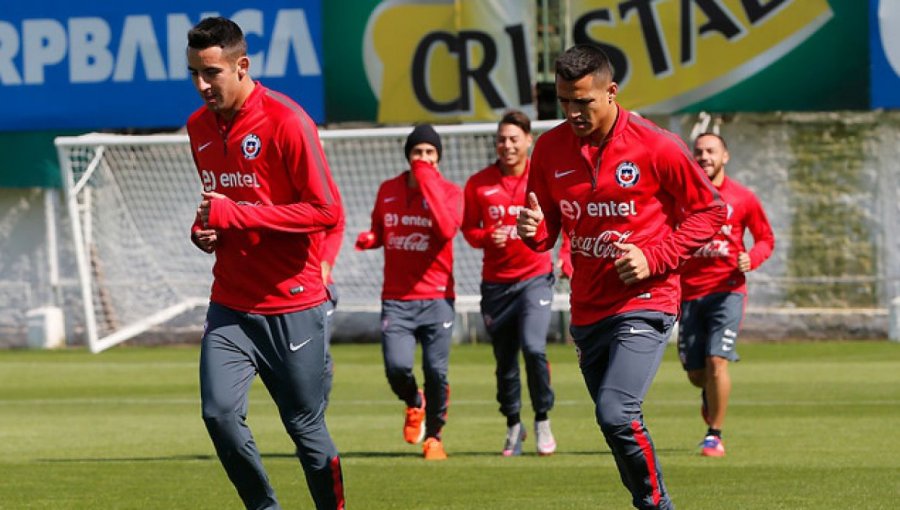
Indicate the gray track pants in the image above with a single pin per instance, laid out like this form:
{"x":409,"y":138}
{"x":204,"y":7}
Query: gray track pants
{"x":517,"y":317}
{"x":619,"y":357}
{"x":288,"y":352}
{"x":429,"y":321}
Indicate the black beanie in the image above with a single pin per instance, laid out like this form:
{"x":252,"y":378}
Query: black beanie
{"x":423,"y":133}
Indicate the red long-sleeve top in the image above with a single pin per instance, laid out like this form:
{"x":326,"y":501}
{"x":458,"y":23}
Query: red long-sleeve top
{"x":714,"y":266}
{"x":636,"y":188}
{"x":492,"y":201}
{"x":416,"y":226}
{"x":280,"y":197}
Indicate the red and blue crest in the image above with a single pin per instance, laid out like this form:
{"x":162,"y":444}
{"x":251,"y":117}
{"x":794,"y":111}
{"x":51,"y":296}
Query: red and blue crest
{"x":627,"y":174}
{"x":250,"y":146}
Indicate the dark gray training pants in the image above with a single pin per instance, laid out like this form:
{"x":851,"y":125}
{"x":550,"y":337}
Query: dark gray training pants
{"x":517,"y":316}
{"x":288,"y":352}
{"x":330,"y":307}
{"x":619,"y":357}
{"x":429,"y":321}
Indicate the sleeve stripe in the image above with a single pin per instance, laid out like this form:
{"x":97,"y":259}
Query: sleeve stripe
{"x":310,"y":135}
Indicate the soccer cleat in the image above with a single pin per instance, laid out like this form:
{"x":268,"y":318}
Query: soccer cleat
{"x":514,"y":437}
{"x":712,"y":447}
{"x":543,"y":436}
{"x":433,"y":449}
{"x":414,"y":425}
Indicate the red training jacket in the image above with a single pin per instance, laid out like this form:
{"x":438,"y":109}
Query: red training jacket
{"x":270,"y":165}
{"x":416,"y":226}
{"x":714,"y":266}
{"x":632,"y":190}
{"x":492,"y":201}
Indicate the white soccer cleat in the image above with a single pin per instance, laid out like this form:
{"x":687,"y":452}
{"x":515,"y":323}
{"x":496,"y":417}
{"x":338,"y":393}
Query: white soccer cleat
{"x":514,"y":437}
{"x":546,"y":443}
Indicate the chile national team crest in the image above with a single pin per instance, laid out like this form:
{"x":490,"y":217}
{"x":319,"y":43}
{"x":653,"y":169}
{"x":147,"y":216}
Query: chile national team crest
{"x":627,"y":174}
{"x":250,"y":146}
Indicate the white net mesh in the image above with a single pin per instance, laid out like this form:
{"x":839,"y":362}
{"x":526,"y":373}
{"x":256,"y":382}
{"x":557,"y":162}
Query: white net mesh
{"x":361,"y":160}
{"x":137,"y":195}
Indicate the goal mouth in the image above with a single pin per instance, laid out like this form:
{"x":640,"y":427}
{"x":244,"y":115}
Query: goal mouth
{"x":131,"y":201}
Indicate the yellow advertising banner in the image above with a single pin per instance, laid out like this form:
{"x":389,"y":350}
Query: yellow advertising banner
{"x":450,"y":60}
{"x":669,"y":54}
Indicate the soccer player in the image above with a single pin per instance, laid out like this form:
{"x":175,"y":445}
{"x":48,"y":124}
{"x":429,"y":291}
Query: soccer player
{"x":635,"y":206}
{"x":268,"y":197}
{"x":415,"y":218}
{"x":516,"y":283}
{"x":714,"y":290}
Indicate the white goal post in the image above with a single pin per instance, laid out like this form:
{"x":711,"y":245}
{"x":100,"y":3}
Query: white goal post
{"x":131,"y":200}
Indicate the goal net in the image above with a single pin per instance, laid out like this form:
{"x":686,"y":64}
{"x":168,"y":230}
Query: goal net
{"x":131,"y":201}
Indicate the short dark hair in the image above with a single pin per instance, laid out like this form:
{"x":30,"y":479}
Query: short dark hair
{"x":581,"y":60}
{"x":716,"y":135}
{"x":516,"y":118}
{"x":218,"y":31}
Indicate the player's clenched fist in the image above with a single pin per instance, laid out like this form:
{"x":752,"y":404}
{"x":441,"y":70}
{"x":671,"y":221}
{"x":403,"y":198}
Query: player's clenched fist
{"x":632,"y":264}
{"x":205,"y":206}
{"x":365,"y":241}
{"x":530,"y":217}
{"x":205,"y":239}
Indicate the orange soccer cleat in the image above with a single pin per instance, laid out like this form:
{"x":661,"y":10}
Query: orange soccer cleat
{"x":414,"y":425}
{"x":433,"y":449}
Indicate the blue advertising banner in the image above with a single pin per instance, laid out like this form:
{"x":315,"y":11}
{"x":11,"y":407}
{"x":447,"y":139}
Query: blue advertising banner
{"x":106,"y":65}
{"x":884,"y":37}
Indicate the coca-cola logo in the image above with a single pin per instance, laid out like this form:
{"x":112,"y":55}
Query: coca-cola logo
{"x":411,"y":242}
{"x":714,"y":248}
{"x":600,"y":246}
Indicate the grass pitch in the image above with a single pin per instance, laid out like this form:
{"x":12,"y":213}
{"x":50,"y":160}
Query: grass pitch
{"x":811,"y":426}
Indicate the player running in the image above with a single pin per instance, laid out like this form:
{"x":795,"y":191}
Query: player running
{"x":268,"y":196}
{"x":415,"y":218}
{"x":714,"y":290}
{"x":516,"y":286}
{"x":635,"y":206}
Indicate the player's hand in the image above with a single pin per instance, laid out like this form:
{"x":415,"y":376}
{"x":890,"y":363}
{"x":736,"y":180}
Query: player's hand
{"x":365,"y":240}
{"x":206,"y":204}
{"x":563,"y":272}
{"x":744,"y":261}
{"x":205,"y":239}
{"x":529,"y":218}
{"x":499,"y":235}
{"x":632,"y":264}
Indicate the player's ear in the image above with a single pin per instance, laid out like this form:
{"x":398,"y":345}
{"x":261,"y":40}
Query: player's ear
{"x":243,"y":65}
{"x":611,"y":90}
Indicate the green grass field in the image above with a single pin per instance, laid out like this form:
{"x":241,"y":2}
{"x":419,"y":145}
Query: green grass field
{"x":811,"y":426}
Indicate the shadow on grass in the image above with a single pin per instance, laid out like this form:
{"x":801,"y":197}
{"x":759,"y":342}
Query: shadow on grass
{"x":344,"y":455}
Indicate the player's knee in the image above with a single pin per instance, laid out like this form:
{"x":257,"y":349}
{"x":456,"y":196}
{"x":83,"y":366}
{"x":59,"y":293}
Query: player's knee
{"x":697,"y":377}
{"x":397,"y":373}
{"x":614,"y":411}
{"x":224,"y":424}
{"x":534,"y":354}
{"x":716,"y":367}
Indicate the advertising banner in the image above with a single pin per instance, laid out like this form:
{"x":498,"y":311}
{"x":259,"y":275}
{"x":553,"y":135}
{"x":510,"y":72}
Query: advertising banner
{"x":450,"y":60}
{"x":105,"y":65}
{"x":728,"y":55}
{"x":884,"y":35}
